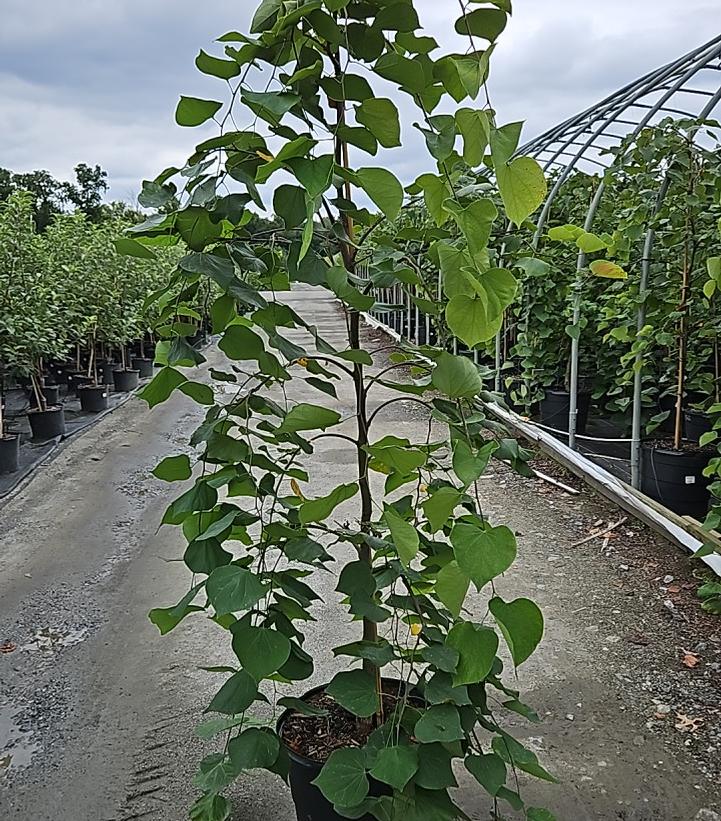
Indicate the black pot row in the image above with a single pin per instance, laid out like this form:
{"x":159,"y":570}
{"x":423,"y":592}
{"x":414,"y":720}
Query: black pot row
{"x":672,"y":477}
{"x":50,"y":423}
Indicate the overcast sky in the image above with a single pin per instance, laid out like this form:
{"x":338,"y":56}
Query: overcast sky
{"x":97,"y":82}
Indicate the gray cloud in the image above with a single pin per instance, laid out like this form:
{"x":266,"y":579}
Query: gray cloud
{"x":91,"y":81}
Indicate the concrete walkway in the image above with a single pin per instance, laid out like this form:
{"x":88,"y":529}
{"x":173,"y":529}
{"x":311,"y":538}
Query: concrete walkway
{"x":101,"y":710}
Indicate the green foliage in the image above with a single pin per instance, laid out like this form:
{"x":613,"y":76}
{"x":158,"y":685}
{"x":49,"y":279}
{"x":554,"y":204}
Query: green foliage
{"x":420,"y":540}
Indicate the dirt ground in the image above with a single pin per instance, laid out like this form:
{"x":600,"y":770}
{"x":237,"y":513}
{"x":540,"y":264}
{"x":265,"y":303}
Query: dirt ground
{"x":97,"y":711}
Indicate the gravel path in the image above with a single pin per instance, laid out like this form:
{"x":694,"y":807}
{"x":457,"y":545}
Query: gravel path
{"x":97,"y":712}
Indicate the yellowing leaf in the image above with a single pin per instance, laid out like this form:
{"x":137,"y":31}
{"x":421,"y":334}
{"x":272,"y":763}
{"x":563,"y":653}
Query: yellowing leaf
{"x":607,"y":270}
{"x":296,"y":489}
{"x":265,"y":156}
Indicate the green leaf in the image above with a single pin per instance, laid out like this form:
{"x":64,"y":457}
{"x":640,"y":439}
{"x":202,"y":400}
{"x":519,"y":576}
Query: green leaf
{"x":486,"y":23}
{"x":198,"y":392}
{"x":398,"y":16}
{"x":359,"y":137}
{"x":441,"y":722}
{"x":380,"y":116}
{"x":265,"y":16}
{"x":435,"y":193}
{"x":383,"y":188}
{"x":210,"y":806}
{"x":470,"y":319}
{"x":521,"y":623}
{"x":607,"y":270}
{"x":396,"y":766}
{"x":539,"y":814}
{"x":488,"y":770}
{"x":132,"y":248}
{"x":435,"y":768}
{"x":240,"y":343}
{"x":441,"y":656}
{"x":468,"y":465}
{"x":343,"y":779}
{"x":590,"y":243}
{"x":565,"y":233}
{"x":515,"y":754}
{"x":300,"y":706}
{"x":260,"y":650}
{"x":270,"y":105}
{"x":317,"y":510}
{"x":254,"y":748}
{"x":504,"y":142}
{"x":224,"y":69}
{"x":289,"y":203}
{"x":210,"y":728}
{"x":309,"y":417}
{"x":216,"y":772}
{"x":165,"y":381}
{"x":476,"y":647}
{"x":356,"y":691}
{"x":456,"y":376}
{"x":192,"y":111}
{"x":439,"y":506}
{"x":235,"y":696}
{"x":233,"y":589}
{"x":403,"y":534}
{"x":452,"y":587}
{"x":168,"y":618}
{"x":483,"y":554}
{"x":196,"y":228}
{"x":379,"y":652}
{"x":475,"y":129}
{"x":313,"y":173}
{"x":174,"y":469}
{"x":523,"y":188}
{"x":475,"y":221}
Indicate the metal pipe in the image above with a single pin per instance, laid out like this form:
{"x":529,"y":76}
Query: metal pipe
{"x":638,"y":361}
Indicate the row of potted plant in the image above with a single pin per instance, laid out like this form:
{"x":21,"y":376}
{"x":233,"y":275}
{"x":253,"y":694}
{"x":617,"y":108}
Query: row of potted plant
{"x":70,"y":305}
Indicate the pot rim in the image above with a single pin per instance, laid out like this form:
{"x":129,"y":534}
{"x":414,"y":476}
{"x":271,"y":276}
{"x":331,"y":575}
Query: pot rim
{"x":669,"y":451}
{"x":52,"y":409}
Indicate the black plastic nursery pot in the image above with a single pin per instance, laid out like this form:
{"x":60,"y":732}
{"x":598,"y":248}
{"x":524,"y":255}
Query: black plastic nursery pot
{"x":62,"y":373}
{"x":9,"y":454}
{"x":696,"y":424}
{"x":555,"y":407}
{"x":675,"y":478}
{"x":81,"y":381}
{"x":105,"y":372}
{"x":144,"y":365}
{"x":310,"y":803}
{"x":47,"y":424}
{"x":93,"y":398}
{"x":51,"y":394}
{"x":125,"y":381}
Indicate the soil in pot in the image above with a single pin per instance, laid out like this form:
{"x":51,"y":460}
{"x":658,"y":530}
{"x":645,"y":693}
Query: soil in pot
{"x":47,"y":424}
{"x":310,"y":740}
{"x":93,"y":398}
{"x":126,"y":381}
{"x":696,"y":423}
{"x":555,"y":407}
{"x":144,"y":365}
{"x":9,"y":454}
{"x":675,"y":477}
